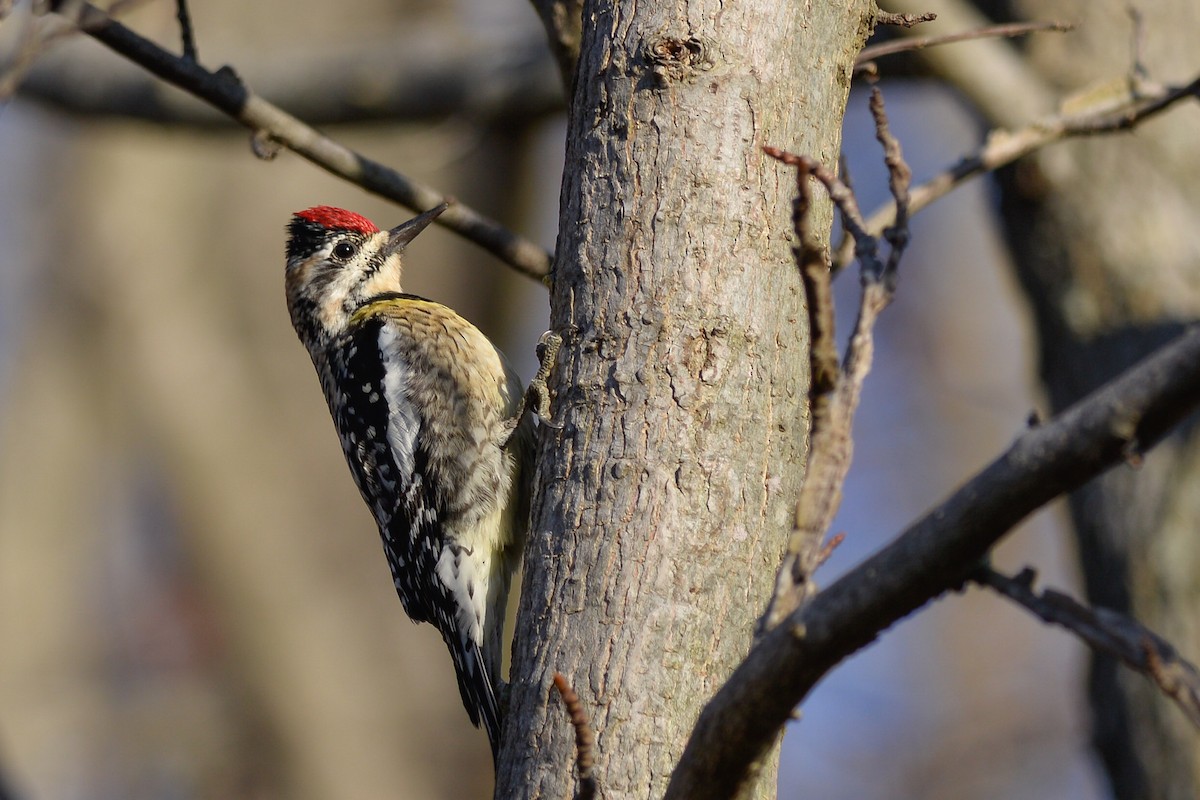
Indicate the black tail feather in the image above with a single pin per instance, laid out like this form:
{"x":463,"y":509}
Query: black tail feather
{"x":477,"y":690}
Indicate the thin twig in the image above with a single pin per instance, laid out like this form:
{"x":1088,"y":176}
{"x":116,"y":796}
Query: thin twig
{"x":832,"y":544}
{"x":899,"y":180}
{"x":226,"y":92}
{"x":847,"y":240}
{"x":813,"y":261}
{"x":827,"y":448}
{"x":585,"y":741}
{"x":993,"y":75}
{"x":1108,"y":632}
{"x":1007,"y":30}
{"x":1105,"y":114}
{"x":185,"y":30}
{"x":834,"y":391}
{"x":427,"y":73}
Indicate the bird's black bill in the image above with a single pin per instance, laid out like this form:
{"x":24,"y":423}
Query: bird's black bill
{"x":405,"y":232}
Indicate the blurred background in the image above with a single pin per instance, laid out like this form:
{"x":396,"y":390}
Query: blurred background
{"x":193,"y":602}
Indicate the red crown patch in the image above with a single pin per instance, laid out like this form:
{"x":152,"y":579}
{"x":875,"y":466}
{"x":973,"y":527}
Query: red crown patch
{"x":339,"y":218}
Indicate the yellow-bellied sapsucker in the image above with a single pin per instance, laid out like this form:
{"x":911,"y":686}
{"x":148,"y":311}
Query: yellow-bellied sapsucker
{"x":425,"y":406}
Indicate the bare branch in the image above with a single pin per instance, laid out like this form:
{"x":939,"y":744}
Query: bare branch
{"x":813,"y":261}
{"x":585,"y":741}
{"x":423,"y":72}
{"x":1007,"y":30}
{"x":834,"y":393}
{"x":997,"y":79}
{"x":186,"y":35}
{"x":1122,"y":108}
{"x":899,"y":180}
{"x":563,"y":21}
{"x":938,"y":552}
{"x":829,"y":448}
{"x":227,"y":93}
{"x":1107,"y":632}
{"x":903,"y":20}
{"x":831,"y":544}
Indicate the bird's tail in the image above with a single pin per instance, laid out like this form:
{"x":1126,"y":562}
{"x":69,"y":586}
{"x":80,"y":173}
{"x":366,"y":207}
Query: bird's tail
{"x":476,"y":688}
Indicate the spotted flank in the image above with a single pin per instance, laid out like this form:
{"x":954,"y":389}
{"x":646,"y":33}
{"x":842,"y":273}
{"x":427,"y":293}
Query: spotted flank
{"x":385,"y":438}
{"x":421,"y":401}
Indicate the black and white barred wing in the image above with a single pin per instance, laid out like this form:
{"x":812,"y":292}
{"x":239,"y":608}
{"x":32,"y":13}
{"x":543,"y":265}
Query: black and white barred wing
{"x":389,"y":440}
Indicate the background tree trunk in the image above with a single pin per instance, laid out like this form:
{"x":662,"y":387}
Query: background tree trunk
{"x":665,"y":499}
{"x":197,"y":590}
{"x":1104,"y":236}
{"x":192,"y":595}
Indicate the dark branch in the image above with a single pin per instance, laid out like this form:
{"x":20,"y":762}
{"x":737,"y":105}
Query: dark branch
{"x":563,"y":21}
{"x":937,"y":553}
{"x":226,"y":92}
{"x":1106,"y":632}
{"x":424,"y":72}
{"x":186,"y":35}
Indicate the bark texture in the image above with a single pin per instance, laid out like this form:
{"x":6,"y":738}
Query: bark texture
{"x":1105,"y":242}
{"x":666,"y":498}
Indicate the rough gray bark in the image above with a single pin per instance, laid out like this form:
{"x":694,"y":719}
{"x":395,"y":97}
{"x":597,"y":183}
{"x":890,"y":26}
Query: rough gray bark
{"x":665,"y":499}
{"x":1104,"y":237}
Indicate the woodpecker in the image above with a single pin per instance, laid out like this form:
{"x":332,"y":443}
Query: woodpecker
{"x":429,"y":413}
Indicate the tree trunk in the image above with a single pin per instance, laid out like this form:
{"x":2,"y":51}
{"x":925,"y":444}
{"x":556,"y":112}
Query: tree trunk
{"x":1105,"y":242}
{"x":665,"y":499}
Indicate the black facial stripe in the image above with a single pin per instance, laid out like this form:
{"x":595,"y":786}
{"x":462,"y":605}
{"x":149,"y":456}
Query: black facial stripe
{"x":374,"y":264}
{"x":306,"y":238}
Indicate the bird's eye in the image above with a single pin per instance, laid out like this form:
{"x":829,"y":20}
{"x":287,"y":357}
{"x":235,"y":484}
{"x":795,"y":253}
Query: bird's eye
{"x":344,"y":250}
